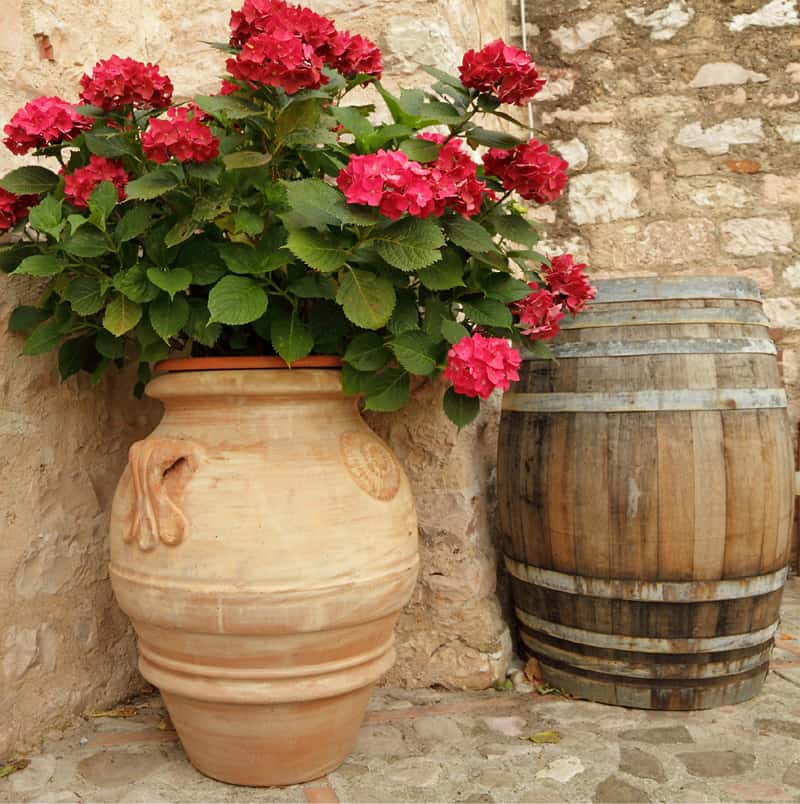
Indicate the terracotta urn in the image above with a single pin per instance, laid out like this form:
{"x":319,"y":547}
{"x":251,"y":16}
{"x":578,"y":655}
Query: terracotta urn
{"x":263,"y":542}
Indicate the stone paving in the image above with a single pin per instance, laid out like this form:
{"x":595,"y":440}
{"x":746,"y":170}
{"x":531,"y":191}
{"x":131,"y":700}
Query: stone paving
{"x":439,"y":746}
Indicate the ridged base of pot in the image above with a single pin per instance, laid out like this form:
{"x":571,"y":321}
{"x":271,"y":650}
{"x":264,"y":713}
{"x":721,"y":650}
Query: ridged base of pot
{"x":269,"y":745}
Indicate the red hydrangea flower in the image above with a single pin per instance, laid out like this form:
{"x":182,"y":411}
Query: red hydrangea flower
{"x":118,"y":82}
{"x":568,"y":282}
{"x":43,"y":121}
{"x":228,"y":88}
{"x":502,"y":70}
{"x":263,"y":16}
{"x":181,"y":135}
{"x":392,"y":182}
{"x":455,"y":176}
{"x":278,"y":58}
{"x":530,"y":169}
{"x":79,"y":185}
{"x":540,"y":313}
{"x":477,"y":365}
{"x":13,"y":208}
{"x":351,"y":55}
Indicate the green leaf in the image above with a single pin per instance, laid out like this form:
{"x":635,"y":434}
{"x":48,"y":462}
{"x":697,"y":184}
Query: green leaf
{"x":30,"y":180}
{"x":319,"y":250}
{"x":108,"y":143}
{"x":420,"y":150}
{"x":386,"y":391}
{"x":300,"y":114}
{"x":410,"y":244}
{"x":102,"y":202}
{"x":469,"y":235}
{"x":239,"y":160}
{"x":433,"y":313}
{"x":405,"y":315}
{"x":313,"y":286}
{"x":444,"y":77}
{"x":13,"y":254}
{"x":452,"y":331}
{"x":236,"y":300}
{"x":367,"y":352}
{"x":516,"y":229}
{"x":198,"y":327}
{"x":134,"y":222}
{"x":180,"y":232}
{"x":223,"y":106}
{"x":212,"y":205}
{"x":538,"y":350}
{"x":415,"y":352}
{"x":491,"y":139}
{"x":352,"y":380}
{"x":152,"y":185}
{"x":367,"y":299}
{"x":85,"y":295}
{"x":315,"y":204}
{"x":99,"y":370}
{"x":242,"y":259}
{"x":40,"y":265}
{"x":206,"y":171}
{"x":200,"y":256}
{"x":446,"y":274}
{"x":487,"y":312}
{"x":109,"y":346}
{"x":121,"y":315}
{"x":291,"y":338}
{"x":86,"y":242}
{"x":135,"y":285}
{"x":460,"y":409}
{"x":157,"y":251}
{"x":505,"y":288}
{"x":75,"y":222}
{"x":46,"y":217}
{"x":74,"y":355}
{"x":43,"y":338}
{"x":25,"y":317}
{"x":384,"y":134}
{"x":168,"y":316}
{"x":353,"y":121}
{"x":170,"y":280}
{"x":249,"y":222}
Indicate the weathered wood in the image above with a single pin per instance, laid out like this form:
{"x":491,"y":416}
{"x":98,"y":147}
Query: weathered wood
{"x":645,"y":496}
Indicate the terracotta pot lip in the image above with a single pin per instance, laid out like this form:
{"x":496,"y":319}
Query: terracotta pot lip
{"x":245,"y":362}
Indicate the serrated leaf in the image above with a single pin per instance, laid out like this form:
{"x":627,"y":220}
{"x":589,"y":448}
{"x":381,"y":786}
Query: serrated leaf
{"x":491,"y":139}
{"x":353,"y":121}
{"x":102,"y":202}
{"x":100,"y":369}
{"x":43,"y":338}
{"x":445,"y":274}
{"x":152,"y":185}
{"x":121,"y":315}
{"x":109,"y":346}
{"x":291,"y":338}
{"x":367,"y":299}
{"x":319,"y":250}
{"x":212,"y":205}
{"x":505,"y":288}
{"x":26,"y":317}
{"x":352,"y":380}
{"x":415,"y":352}
{"x":405,"y":315}
{"x":298,"y":115}
{"x":85,"y":295}
{"x":168,"y":316}
{"x":367,"y":352}
{"x":200,"y":256}
{"x":516,"y":229}
{"x":249,"y":222}
{"x":410,"y":244}
{"x":74,"y":355}
{"x":420,"y":150}
{"x":134,"y":223}
{"x":487,"y":312}
{"x":75,"y":222}
{"x":452,"y":331}
{"x":460,"y":409}
{"x":386,"y":391}
{"x":170,"y":280}
{"x":240,"y":160}
{"x":242,"y":259}
{"x":40,"y":265}
{"x":46,"y":217}
{"x":315,"y":204}
{"x":222,"y":106}
{"x":86,"y":242}
{"x":134,"y":284}
{"x":198,"y":327}
{"x":236,"y":300}
{"x":180,"y":232}
{"x":206,"y":171}
{"x":469,"y":235}
{"x":29,"y":180}
{"x":313,"y":286}
{"x":107,"y":143}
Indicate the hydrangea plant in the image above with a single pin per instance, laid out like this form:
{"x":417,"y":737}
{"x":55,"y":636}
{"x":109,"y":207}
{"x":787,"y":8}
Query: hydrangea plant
{"x":275,"y":218}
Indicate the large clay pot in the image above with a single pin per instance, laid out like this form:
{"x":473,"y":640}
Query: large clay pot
{"x":263,"y":542}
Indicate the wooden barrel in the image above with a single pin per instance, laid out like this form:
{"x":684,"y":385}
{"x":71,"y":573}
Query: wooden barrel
{"x":645,"y":484}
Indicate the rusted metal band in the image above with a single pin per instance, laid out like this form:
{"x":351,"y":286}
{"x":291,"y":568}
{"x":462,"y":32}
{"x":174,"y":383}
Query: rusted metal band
{"x":654,"y":289}
{"x":619,"y":667}
{"x":642,"y":401}
{"x":648,"y":591}
{"x":688,"y":346}
{"x":647,"y":644}
{"x":656,"y":317}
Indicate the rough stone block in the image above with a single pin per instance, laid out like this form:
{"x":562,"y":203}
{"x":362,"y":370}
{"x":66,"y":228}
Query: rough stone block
{"x":718,"y":139}
{"x":749,"y":236}
{"x":720,"y":73}
{"x":582,"y":35}
{"x":665,"y":22}
{"x":775,"y":14}
{"x":602,"y":197}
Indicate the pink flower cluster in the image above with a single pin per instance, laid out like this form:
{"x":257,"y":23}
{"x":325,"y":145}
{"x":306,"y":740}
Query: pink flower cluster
{"x":13,"y":208}
{"x":476,"y":365}
{"x":181,"y":135}
{"x":567,"y":288}
{"x":43,"y":121}
{"x":287,"y":46}
{"x":502,"y":70}
{"x":118,"y":82}
{"x":529,"y":169}
{"x":396,"y":184}
{"x":80,"y":184}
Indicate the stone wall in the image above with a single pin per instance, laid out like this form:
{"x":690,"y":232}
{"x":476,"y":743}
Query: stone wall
{"x":681,"y":121}
{"x":64,"y":646}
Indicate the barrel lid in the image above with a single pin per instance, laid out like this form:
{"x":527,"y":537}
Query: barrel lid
{"x":653,"y":288}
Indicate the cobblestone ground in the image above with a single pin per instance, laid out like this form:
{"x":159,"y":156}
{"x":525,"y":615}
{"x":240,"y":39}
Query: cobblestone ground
{"x":436,"y":746}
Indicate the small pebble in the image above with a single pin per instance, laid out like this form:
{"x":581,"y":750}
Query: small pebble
{"x":83,"y":740}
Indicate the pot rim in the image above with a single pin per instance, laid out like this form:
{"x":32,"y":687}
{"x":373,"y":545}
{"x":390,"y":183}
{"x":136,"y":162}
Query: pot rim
{"x":245,"y":362}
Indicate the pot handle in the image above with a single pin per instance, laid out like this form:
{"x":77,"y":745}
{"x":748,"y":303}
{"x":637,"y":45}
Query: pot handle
{"x":160,"y":469}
